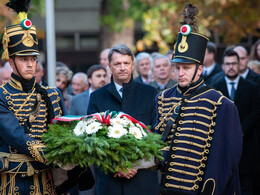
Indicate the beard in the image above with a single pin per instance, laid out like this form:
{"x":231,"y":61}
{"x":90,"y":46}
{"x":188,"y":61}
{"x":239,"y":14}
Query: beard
{"x":232,"y":77}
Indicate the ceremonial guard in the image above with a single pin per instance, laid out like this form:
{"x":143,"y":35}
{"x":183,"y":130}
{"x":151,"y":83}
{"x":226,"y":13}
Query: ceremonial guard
{"x":200,"y":125}
{"x":26,"y":108}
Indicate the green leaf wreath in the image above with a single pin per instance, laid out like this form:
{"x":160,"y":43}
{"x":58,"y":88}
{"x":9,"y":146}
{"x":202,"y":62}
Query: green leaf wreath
{"x":111,"y":140}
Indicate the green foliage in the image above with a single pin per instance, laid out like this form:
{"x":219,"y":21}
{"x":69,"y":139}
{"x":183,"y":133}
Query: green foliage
{"x":116,"y":13}
{"x":110,"y":154}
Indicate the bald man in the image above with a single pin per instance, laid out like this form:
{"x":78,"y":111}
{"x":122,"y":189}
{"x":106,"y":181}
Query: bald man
{"x":103,"y":59}
{"x":244,"y":71}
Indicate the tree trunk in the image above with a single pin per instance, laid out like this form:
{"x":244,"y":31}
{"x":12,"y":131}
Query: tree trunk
{"x":109,"y":38}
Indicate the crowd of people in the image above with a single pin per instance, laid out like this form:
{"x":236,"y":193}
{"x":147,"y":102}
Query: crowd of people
{"x":236,"y":77}
{"x":206,"y":111}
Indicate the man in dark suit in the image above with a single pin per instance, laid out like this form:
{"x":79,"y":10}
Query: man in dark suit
{"x":143,"y":66}
{"x":210,"y":66}
{"x":96,"y":78}
{"x":136,"y":99}
{"x":244,"y":94}
{"x":244,"y":71}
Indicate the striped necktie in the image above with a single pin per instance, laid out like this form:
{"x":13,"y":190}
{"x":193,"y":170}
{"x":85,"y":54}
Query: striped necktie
{"x":121,"y":90}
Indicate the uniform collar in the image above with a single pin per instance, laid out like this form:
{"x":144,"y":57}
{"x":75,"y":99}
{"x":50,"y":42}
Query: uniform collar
{"x":193,"y":87}
{"x":22,"y":84}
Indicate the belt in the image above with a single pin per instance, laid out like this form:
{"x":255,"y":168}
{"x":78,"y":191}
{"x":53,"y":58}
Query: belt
{"x":21,"y":159}
{"x":16,"y":157}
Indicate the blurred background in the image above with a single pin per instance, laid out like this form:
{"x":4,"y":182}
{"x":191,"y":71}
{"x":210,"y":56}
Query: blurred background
{"x":85,"y":27}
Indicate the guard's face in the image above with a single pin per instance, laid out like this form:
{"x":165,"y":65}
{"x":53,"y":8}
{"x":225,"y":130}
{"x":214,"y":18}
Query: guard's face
{"x":144,"y":66}
{"x":26,"y":65}
{"x":121,"y":67}
{"x":231,"y":67}
{"x":161,"y":69}
{"x":184,"y":73}
{"x":98,"y":79}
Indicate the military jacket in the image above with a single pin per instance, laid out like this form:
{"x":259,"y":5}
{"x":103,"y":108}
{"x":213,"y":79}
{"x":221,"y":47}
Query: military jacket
{"x":16,"y":109}
{"x":204,"y":141}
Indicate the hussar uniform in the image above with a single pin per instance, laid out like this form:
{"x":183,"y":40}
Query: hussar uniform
{"x":201,"y":128}
{"x":26,"y":109}
{"x":23,"y":120}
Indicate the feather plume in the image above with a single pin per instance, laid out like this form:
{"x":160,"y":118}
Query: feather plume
{"x":189,"y":14}
{"x":19,"y":5}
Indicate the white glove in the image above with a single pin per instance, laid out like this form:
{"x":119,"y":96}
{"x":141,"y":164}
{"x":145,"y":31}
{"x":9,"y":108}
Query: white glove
{"x":143,"y":164}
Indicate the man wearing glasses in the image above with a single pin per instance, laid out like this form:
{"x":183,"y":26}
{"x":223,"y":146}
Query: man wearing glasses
{"x":244,"y":94}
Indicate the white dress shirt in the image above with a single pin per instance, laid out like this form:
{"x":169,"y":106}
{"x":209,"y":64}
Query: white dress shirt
{"x":118,"y":88}
{"x":244,"y":75}
{"x":229,"y":86}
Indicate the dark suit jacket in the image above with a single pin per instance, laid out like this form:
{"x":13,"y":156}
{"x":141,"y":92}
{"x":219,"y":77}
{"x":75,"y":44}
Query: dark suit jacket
{"x":139,"y":79}
{"x":139,"y":102}
{"x":208,"y":79}
{"x":79,"y":103}
{"x":247,"y":102}
{"x":253,"y":76}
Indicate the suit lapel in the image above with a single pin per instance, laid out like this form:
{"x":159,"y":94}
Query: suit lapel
{"x":223,"y":86}
{"x":240,"y":88}
{"x":113,"y":91}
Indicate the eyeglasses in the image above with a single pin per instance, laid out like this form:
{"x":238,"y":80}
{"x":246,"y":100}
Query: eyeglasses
{"x":231,"y":64}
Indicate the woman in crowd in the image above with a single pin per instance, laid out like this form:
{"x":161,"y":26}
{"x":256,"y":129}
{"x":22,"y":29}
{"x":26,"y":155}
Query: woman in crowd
{"x":63,"y":79}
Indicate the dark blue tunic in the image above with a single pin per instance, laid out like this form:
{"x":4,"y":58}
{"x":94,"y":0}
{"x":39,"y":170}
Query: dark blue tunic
{"x":204,"y":143}
{"x":27,"y":172}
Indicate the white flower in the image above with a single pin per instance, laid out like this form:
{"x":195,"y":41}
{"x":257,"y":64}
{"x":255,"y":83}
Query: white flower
{"x":136,"y":132}
{"x":80,"y":128}
{"x":118,"y":121}
{"x":93,"y":127}
{"x":116,"y":131}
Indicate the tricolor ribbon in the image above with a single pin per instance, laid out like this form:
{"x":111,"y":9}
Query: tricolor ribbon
{"x":103,"y":118}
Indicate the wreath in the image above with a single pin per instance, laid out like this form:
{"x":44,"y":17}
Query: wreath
{"x":111,"y":140}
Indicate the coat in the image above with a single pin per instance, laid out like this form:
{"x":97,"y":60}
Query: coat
{"x":139,"y":79}
{"x":79,"y":103}
{"x":21,"y":131}
{"x":208,"y":79}
{"x":170,"y":84}
{"x":253,"y":76}
{"x":205,"y":141}
{"x":138,"y":102}
{"x":247,"y":102}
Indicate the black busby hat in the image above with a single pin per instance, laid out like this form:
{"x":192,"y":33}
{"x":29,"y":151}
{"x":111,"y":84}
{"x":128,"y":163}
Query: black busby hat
{"x":191,"y":45}
{"x":20,"y":39}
